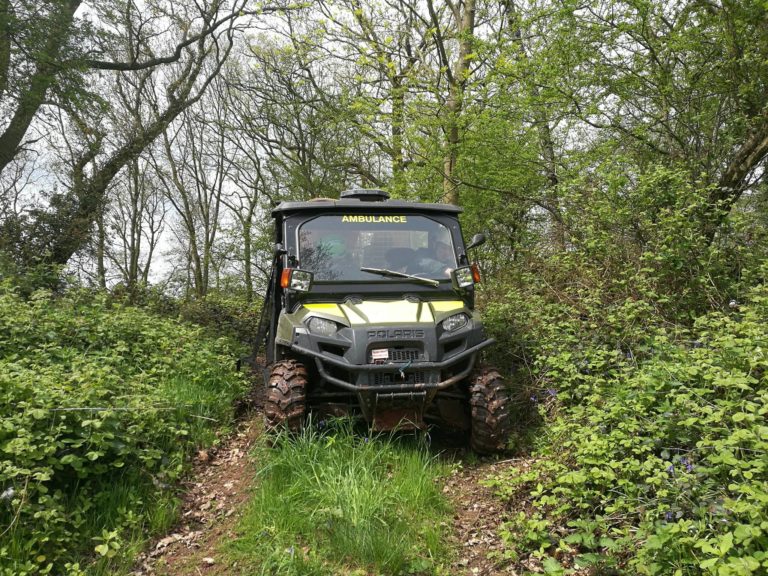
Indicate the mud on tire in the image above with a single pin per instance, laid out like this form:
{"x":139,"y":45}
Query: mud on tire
{"x":491,"y":419}
{"x":285,"y":403}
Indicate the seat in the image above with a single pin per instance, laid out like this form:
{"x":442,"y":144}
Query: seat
{"x":400,"y":258}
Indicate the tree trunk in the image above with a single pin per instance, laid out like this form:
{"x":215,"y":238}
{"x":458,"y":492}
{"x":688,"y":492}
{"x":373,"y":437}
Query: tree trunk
{"x":733,"y":180}
{"x":457,"y":77}
{"x":453,"y":109}
{"x":101,"y":273}
{"x":30,"y":100}
{"x":398,"y":123}
{"x":136,"y":191}
{"x":6,"y":26}
{"x":247,"y":261}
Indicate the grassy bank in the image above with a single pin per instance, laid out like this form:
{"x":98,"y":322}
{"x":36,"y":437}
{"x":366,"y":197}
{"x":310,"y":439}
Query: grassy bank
{"x":653,"y":459}
{"x":329,"y":501}
{"x":100,"y":407}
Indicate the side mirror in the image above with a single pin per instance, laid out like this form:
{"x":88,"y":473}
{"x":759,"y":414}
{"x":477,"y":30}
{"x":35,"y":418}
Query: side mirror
{"x":477,"y":240}
{"x":280,"y":249}
{"x":462,"y":277}
{"x":295,"y":279}
{"x":466,"y":276}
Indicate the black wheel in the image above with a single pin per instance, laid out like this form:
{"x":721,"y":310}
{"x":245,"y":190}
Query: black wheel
{"x":285,"y":403}
{"x":491,"y":419}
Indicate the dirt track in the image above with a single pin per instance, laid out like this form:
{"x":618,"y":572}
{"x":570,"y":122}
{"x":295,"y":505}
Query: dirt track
{"x":220,"y":484}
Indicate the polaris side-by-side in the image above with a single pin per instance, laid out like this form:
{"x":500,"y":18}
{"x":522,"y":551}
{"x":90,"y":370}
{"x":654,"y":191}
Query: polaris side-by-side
{"x":371,"y":312}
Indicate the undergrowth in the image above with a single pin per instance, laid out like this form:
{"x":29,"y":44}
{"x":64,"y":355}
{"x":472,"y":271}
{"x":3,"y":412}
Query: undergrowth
{"x":653,"y":460}
{"x":329,"y":501}
{"x":100,"y":407}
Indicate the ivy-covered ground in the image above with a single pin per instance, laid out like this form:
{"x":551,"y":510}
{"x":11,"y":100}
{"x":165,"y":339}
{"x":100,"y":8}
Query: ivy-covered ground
{"x":100,"y":407}
{"x":653,"y":453}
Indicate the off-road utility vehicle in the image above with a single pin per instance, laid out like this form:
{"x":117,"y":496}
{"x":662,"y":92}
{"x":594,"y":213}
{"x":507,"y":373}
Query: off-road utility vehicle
{"x":371,"y":311}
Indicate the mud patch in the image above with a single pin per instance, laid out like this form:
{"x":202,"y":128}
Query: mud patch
{"x":478,"y":514}
{"x":215,"y":495}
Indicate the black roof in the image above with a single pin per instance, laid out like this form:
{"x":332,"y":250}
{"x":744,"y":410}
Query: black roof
{"x":326,"y":204}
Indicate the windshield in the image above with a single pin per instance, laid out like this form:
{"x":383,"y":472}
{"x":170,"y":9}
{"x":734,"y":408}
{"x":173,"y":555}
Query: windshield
{"x":336,"y":247}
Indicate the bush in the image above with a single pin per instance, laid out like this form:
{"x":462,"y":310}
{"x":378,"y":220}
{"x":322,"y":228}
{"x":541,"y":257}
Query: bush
{"x":228,"y":316}
{"x":653,"y":462}
{"x":100,"y":408}
{"x":31,"y":277}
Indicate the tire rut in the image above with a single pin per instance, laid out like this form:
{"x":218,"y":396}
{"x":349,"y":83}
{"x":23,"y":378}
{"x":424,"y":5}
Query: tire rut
{"x":214,"y":497}
{"x":221,"y":483}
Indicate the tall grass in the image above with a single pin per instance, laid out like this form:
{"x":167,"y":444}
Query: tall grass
{"x":330,"y":502}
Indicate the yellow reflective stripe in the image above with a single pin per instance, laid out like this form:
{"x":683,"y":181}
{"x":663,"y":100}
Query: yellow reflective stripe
{"x":395,"y":311}
{"x":332,"y":309}
{"x":321,"y":306}
{"x":446,"y":306}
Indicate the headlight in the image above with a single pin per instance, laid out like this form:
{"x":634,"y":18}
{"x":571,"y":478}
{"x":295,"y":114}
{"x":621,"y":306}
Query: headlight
{"x":455,"y":322}
{"x":322,"y":327}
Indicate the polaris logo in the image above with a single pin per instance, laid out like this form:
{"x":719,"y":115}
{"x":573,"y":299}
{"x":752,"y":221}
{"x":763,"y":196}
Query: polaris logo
{"x":395,"y":333}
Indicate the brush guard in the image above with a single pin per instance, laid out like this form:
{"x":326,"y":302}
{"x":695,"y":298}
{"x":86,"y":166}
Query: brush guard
{"x":399,"y":411}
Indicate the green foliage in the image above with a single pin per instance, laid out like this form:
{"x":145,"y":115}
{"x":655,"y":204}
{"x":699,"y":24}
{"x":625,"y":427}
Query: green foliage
{"x":100,"y":407}
{"x":635,"y":258}
{"x":226,"y":315}
{"x":27,"y":278}
{"x":328,"y":501}
{"x":654,"y":460}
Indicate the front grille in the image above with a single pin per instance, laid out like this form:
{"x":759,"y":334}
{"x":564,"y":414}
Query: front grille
{"x":415,"y":377}
{"x":404,"y":354}
{"x":399,"y":355}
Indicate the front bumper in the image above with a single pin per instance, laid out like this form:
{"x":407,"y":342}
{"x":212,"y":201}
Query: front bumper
{"x":395,"y":375}
{"x":389,"y":357}
{"x":396,"y":371}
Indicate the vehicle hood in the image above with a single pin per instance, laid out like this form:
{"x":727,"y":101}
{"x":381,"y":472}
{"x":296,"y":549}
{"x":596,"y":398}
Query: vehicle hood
{"x":377,"y":312}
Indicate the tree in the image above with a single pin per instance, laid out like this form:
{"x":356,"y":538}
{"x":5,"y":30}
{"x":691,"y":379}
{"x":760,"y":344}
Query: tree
{"x":193,"y":170}
{"x":457,"y":72}
{"x":247,"y":178}
{"x":38,"y":47}
{"x":384,"y":46}
{"x":310,"y":148}
{"x":60,"y":52}
{"x":683,"y":85}
{"x":135,"y":222}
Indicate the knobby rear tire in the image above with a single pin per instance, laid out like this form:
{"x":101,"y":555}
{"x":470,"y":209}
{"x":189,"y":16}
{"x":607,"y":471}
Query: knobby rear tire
{"x":490,"y":403}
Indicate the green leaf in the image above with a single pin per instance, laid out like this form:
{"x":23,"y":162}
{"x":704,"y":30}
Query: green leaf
{"x":726,"y":543}
{"x":552,"y":566}
{"x":102,"y":549}
{"x":742,"y":532}
{"x":655,"y":542}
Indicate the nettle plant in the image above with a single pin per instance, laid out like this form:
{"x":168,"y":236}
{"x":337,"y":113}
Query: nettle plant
{"x":100,"y":407}
{"x":656,"y":465}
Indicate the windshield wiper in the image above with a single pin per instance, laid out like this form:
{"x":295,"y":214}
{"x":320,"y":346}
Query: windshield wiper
{"x":394,"y":274}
